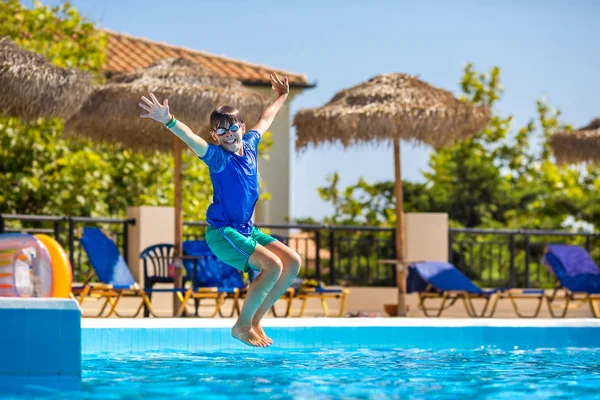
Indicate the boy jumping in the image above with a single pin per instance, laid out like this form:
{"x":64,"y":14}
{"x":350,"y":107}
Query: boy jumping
{"x":231,"y":236}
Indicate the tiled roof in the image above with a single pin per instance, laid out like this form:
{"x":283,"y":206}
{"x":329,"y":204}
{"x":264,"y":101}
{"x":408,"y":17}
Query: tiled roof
{"x":126,"y":53}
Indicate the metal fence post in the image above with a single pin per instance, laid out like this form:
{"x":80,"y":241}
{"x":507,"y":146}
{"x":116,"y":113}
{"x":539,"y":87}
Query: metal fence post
{"x":527,"y":257}
{"x":331,"y":256}
{"x":57,"y":230}
{"x":394,"y":256}
{"x":512,"y":272}
{"x":588,"y":243}
{"x":71,"y":241}
{"x":318,"y":255}
{"x":450,"y":243}
{"x":125,"y":240}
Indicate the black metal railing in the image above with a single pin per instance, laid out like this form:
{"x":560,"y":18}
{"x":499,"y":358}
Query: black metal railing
{"x":348,"y":255}
{"x":511,"y":258}
{"x":333,"y":254}
{"x":490,"y":257}
{"x":65,"y":230}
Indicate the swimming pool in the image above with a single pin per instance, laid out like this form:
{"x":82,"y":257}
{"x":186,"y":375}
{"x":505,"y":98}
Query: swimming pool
{"x":369,"y":373}
{"x":333,"y":358}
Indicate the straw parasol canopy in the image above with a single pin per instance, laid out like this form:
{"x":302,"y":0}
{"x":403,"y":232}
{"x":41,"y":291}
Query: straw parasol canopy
{"x":578,"y":146}
{"x":112,"y":113}
{"x":32,"y":87}
{"x":390,"y":106}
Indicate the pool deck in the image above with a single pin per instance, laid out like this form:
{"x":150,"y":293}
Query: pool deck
{"x":370,"y":300}
{"x":174,"y":323}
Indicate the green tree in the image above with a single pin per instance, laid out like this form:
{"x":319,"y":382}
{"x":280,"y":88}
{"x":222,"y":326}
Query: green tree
{"x":369,"y":204}
{"x":59,"y":33}
{"x":495,"y":179}
{"x":42,"y":172}
{"x":501,"y":178}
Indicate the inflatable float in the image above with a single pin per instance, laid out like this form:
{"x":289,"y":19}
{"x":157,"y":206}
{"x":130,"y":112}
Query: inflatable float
{"x":33,"y":266}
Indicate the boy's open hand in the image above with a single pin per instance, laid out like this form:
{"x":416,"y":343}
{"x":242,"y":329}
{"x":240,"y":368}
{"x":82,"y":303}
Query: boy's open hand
{"x":278,"y":86}
{"x":156,"y":111}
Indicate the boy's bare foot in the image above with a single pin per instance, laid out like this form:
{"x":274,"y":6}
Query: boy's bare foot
{"x":246,"y":335}
{"x":259,"y":330}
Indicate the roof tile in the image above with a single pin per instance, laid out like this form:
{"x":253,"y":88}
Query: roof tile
{"x":126,"y":53}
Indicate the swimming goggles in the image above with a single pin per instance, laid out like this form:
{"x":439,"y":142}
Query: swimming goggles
{"x":232,"y":128}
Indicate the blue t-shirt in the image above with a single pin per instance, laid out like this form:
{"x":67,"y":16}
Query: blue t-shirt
{"x":235,"y":184}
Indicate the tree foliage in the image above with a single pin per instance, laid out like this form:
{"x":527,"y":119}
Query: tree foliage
{"x":502,"y":177}
{"x":42,"y":172}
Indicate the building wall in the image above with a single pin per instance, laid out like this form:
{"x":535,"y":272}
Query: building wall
{"x":275,"y":173}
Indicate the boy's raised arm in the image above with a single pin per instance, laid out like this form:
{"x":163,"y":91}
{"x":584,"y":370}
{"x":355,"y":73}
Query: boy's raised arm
{"x":160,"y":112}
{"x":282,"y":89}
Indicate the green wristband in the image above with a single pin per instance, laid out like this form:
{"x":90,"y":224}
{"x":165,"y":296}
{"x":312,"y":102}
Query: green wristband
{"x":171,"y":123}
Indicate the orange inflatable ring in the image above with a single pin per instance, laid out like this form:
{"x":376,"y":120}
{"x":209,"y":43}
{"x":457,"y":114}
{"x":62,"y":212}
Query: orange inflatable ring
{"x":62,"y":274}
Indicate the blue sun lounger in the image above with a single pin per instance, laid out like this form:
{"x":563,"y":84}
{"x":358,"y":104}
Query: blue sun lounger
{"x":302,"y":292}
{"x":578,"y":279}
{"x":442,"y":280}
{"x":320,"y":292}
{"x":112,"y":271}
{"x":208,"y":273}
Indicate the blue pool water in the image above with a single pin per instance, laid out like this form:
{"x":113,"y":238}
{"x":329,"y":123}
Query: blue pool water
{"x":338,"y":373}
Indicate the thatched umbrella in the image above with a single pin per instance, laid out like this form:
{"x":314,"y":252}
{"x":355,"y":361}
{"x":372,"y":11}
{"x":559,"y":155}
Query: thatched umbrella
{"x":580,"y":146}
{"x":112,"y":113}
{"x":391,"y":106}
{"x":32,"y":87}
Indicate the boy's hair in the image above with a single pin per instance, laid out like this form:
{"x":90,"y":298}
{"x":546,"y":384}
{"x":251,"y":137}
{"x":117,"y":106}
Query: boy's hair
{"x":225,"y":116}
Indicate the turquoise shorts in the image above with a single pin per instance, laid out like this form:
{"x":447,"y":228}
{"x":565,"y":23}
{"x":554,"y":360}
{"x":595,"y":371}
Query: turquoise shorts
{"x":233,"y":248}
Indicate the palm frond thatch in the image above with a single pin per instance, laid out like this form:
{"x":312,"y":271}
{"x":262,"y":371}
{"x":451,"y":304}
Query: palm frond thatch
{"x":112,"y":113}
{"x":390,"y":106}
{"x":32,"y":87}
{"x":578,"y":146}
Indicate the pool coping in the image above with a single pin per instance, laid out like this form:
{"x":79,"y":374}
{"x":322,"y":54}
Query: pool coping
{"x":125,"y":323}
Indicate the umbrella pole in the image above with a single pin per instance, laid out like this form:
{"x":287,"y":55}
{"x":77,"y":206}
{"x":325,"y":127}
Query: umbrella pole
{"x":178,"y":222}
{"x":400,"y":233}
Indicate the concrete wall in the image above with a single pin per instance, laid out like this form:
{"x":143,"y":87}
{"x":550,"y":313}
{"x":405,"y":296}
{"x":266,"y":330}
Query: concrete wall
{"x":153,"y":225}
{"x":426,"y":236}
{"x":276,"y":172}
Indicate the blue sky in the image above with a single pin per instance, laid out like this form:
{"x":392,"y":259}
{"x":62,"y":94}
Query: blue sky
{"x":544,"y":48}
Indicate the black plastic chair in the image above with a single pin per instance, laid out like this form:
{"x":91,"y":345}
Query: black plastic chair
{"x":156,"y":260}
